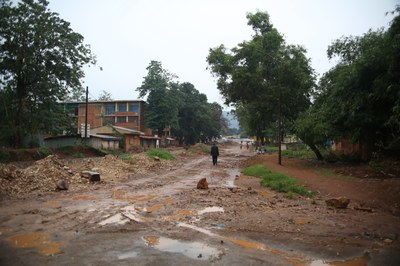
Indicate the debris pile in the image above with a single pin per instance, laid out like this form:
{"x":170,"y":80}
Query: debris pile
{"x":51,"y":173}
{"x":44,"y":175}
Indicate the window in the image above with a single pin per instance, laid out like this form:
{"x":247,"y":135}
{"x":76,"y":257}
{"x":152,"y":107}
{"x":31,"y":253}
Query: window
{"x":133,"y":119}
{"x":134,"y":107}
{"x":109,"y":109}
{"x":109,"y":120}
{"x":121,"y":119}
{"x":122,"y":107}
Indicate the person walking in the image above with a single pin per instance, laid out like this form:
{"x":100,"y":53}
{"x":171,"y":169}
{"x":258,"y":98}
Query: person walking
{"x":214,"y":153}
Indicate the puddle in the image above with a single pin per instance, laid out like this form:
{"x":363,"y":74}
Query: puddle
{"x":121,"y":194}
{"x":232,"y":176}
{"x":153,"y":208}
{"x":247,"y":244}
{"x":179,"y":215}
{"x":210,"y":209}
{"x":193,"y":250}
{"x":117,"y":219}
{"x":53,"y":203}
{"x":35,"y":240}
{"x":201,"y":230}
{"x":5,"y":231}
{"x":127,"y":255}
{"x":352,"y":262}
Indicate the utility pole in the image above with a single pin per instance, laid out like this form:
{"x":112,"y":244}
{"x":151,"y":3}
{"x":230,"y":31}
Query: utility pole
{"x":86,"y":112}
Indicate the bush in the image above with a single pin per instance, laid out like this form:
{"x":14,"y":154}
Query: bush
{"x":162,"y":154}
{"x":125,"y":157}
{"x":44,"y":152}
{"x":278,"y":181}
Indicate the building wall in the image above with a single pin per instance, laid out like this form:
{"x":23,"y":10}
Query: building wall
{"x":128,"y":114}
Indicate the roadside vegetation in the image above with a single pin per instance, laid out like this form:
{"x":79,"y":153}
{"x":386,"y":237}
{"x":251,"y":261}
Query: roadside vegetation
{"x":278,"y":181}
{"x":162,"y":154}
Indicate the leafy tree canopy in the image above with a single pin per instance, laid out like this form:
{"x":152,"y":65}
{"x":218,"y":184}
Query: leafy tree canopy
{"x":41,"y":61}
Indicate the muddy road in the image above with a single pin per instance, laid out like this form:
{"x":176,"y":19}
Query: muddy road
{"x":160,"y":218}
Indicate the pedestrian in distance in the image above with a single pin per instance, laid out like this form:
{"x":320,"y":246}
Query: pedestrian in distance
{"x":241,"y":144}
{"x":214,"y":153}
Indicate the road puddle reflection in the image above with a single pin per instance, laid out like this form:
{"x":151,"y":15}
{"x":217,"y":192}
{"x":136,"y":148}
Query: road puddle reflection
{"x":210,"y":209}
{"x":53,"y":203}
{"x":127,"y":255}
{"x":194,"y":250}
{"x":352,"y":262}
{"x":178,"y":215}
{"x":36,"y":240}
{"x":121,"y":194}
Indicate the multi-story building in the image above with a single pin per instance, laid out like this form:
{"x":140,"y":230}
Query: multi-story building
{"x":124,"y":113}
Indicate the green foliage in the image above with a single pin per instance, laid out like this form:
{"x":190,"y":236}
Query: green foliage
{"x":163,"y":100}
{"x":44,"y":152}
{"x":181,"y":107}
{"x":256,"y":170}
{"x":125,"y":157}
{"x":268,"y":79}
{"x":162,"y":154}
{"x":41,"y":61}
{"x":359,"y":98}
{"x":277,"y":181}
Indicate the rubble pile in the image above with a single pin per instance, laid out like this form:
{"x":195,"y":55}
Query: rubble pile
{"x":51,"y":173}
{"x":42,"y":176}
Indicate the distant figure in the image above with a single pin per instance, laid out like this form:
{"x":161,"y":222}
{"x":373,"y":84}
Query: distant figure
{"x":241,"y":144}
{"x":247,"y":145}
{"x":214,"y":153}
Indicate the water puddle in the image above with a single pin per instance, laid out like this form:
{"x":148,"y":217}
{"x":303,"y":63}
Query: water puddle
{"x":178,"y":215}
{"x":153,"y":208}
{"x":121,"y":194}
{"x":352,"y":262}
{"x":233,"y":173}
{"x":127,"y":255}
{"x":5,"y":231}
{"x":246,"y":243}
{"x":210,"y":209}
{"x":193,"y":250}
{"x":53,"y":203}
{"x":117,"y":219}
{"x":35,"y":240}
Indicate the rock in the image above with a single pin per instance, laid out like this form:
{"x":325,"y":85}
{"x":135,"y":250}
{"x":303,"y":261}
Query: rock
{"x":388,"y":241}
{"x":340,"y":203}
{"x":92,"y":176}
{"x":156,"y":158}
{"x":62,"y":184}
{"x":203,"y":184}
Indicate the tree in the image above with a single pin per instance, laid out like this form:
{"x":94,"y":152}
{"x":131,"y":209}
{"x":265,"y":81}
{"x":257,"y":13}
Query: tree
{"x":41,"y":61}
{"x":163,"y":101}
{"x":358,"y":99}
{"x":266,"y":72}
{"x":198,"y":119}
{"x":105,"y":96}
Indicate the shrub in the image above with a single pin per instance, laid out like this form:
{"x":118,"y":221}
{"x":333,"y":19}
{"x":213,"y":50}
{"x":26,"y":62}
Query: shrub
{"x":162,"y":154}
{"x":44,"y":152}
{"x":125,"y":157}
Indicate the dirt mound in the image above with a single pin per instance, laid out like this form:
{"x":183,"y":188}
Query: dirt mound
{"x":42,"y":176}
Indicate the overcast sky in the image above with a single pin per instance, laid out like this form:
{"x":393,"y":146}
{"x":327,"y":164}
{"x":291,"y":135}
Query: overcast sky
{"x":126,"y":35}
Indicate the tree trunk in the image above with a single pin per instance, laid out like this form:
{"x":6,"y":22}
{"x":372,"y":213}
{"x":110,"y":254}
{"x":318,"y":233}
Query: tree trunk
{"x":316,"y":151}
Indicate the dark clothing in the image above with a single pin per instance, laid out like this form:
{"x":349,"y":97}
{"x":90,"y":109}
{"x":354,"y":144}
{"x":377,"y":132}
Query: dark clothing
{"x":214,"y":154}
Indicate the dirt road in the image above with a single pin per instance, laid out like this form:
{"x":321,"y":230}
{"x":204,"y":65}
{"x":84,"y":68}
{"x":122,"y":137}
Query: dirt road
{"x":160,"y":218}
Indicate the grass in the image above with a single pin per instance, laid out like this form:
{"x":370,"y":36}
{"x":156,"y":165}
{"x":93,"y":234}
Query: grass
{"x":125,"y":157}
{"x":278,"y":181}
{"x":162,"y":154}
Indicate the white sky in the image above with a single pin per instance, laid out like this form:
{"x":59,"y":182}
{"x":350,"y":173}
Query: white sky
{"x":126,"y":35}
